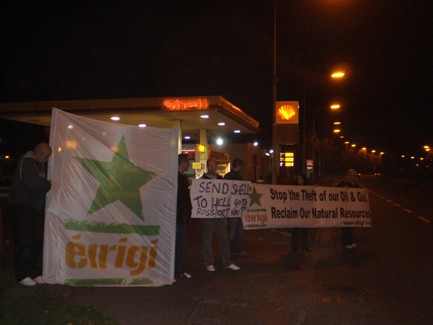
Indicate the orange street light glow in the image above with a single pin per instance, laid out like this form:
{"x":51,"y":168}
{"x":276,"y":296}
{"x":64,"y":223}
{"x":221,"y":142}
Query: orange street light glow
{"x":337,"y":123}
{"x":335,"y":106}
{"x":338,"y":75}
{"x":337,"y":130}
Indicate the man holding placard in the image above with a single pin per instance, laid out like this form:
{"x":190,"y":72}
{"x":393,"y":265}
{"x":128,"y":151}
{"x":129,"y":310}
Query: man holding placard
{"x":217,"y":225}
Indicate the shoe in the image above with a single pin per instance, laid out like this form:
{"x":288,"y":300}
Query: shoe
{"x":27,"y":282}
{"x":186,"y":275}
{"x":242,"y":253}
{"x":233,"y":267}
{"x":39,"y":280}
{"x":348,"y":246}
{"x":210,"y":268}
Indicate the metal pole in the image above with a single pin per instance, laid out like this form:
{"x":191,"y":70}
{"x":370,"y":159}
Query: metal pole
{"x":275,"y":159}
{"x":313,"y":137}
{"x":304,"y":128}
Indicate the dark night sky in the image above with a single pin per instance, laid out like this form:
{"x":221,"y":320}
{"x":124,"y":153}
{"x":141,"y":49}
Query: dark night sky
{"x":117,"y":49}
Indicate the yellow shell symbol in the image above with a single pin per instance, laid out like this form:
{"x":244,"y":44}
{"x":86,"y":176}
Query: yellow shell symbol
{"x":286,"y":112}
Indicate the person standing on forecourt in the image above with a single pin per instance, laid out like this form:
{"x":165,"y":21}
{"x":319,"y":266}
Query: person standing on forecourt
{"x":347,"y":232}
{"x":234,"y":225}
{"x":217,"y":225}
{"x":300,"y":235}
{"x":183,"y":214}
{"x":26,"y":207}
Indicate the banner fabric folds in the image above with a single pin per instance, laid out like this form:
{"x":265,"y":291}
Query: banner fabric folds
{"x":111,"y":212}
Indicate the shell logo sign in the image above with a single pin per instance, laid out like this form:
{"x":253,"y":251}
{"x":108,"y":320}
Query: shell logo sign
{"x":287,"y":112}
{"x":194,"y":104}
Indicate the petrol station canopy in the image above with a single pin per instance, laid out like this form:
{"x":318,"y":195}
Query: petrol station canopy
{"x":185,"y":113}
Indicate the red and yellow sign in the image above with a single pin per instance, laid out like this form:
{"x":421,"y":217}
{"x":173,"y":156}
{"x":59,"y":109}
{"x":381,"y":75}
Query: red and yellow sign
{"x":287,"y":112}
{"x":200,"y":148}
{"x":194,"y":104}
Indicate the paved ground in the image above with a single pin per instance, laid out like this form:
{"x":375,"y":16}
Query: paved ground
{"x":274,"y":286}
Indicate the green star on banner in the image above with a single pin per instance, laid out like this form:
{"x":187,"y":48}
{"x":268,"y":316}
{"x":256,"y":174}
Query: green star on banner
{"x":120,"y":180}
{"x":255,"y":197}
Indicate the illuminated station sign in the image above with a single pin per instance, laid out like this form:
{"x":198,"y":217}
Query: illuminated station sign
{"x":287,"y":112}
{"x":185,"y":104}
{"x":287,"y":159}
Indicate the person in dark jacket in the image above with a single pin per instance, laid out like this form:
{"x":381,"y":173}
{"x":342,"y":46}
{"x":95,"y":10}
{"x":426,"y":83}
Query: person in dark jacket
{"x":26,"y":207}
{"x":217,"y":225}
{"x":183,"y":214}
{"x":300,"y":235}
{"x":347,"y":232}
{"x":234,"y":225}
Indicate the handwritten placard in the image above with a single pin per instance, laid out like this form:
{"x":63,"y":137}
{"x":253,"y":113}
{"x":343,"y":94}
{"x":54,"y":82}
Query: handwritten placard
{"x":218,"y":198}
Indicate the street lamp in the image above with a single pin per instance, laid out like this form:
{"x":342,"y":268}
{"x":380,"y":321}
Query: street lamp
{"x":337,"y":130}
{"x":338,"y":74}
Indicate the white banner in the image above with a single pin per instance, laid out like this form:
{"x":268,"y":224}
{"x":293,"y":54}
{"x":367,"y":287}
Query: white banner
{"x":111,"y":212}
{"x":219,"y":198}
{"x":284,"y":206}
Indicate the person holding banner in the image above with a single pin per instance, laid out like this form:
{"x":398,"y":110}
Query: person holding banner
{"x":26,"y":207}
{"x":183,"y":214}
{"x":347,"y":232}
{"x":217,"y":225}
{"x":300,"y":235}
{"x":234,"y":226}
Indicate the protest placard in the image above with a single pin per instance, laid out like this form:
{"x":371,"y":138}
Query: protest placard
{"x":218,"y":198}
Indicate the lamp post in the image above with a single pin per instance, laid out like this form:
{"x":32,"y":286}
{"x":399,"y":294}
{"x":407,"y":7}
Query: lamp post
{"x":335,"y":75}
{"x":275,"y":157}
